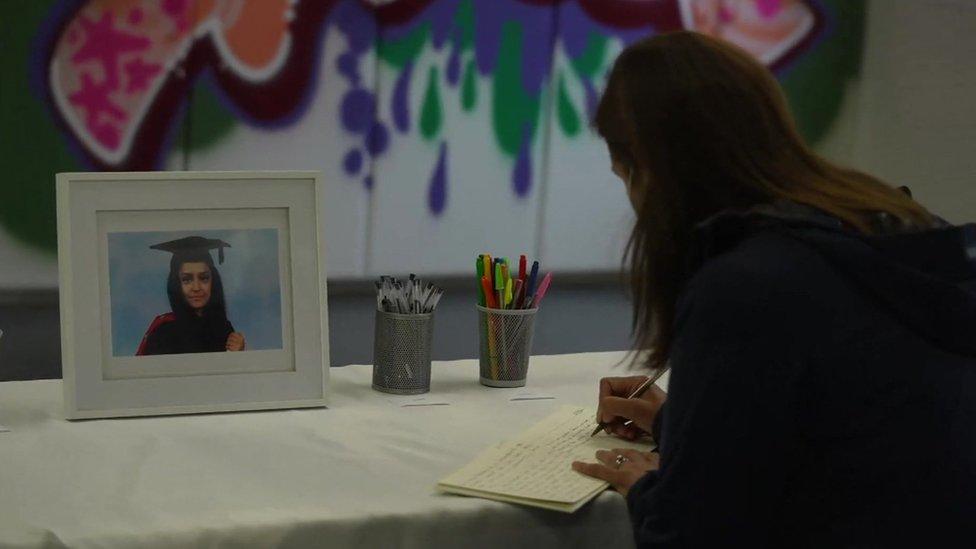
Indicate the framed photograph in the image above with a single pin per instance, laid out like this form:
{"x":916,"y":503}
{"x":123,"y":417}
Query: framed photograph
{"x":189,"y":292}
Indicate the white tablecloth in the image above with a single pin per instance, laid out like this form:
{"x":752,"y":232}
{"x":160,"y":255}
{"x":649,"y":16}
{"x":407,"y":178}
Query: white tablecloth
{"x":361,"y":473}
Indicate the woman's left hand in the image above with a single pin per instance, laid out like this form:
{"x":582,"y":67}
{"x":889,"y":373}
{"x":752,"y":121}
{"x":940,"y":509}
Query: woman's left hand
{"x":236,"y":342}
{"x":634,"y":465}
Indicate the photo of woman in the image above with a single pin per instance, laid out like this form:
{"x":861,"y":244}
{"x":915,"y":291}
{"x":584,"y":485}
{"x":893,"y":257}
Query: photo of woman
{"x":170,"y":293}
{"x":197,"y":321}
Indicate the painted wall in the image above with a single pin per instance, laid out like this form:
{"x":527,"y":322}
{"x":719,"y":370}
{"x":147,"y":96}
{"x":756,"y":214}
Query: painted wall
{"x":443,"y":127}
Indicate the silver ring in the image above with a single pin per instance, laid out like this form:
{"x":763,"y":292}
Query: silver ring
{"x":620,"y":461}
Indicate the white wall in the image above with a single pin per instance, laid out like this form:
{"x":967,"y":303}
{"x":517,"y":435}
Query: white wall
{"x":912,"y":117}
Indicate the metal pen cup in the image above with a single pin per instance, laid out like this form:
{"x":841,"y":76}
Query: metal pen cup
{"x":505,"y":345}
{"x":401,"y":352}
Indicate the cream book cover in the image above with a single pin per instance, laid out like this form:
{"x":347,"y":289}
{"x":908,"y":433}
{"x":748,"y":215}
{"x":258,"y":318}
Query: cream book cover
{"x":534,"y":468}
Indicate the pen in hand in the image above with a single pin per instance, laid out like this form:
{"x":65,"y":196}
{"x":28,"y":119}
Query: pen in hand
{"x":640,"y":390}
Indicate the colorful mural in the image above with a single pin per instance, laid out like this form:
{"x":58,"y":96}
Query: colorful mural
{"x":119,"y":77}
{"x":117,"y":70}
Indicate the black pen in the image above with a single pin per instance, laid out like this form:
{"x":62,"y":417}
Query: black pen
{"x":640,"y":390}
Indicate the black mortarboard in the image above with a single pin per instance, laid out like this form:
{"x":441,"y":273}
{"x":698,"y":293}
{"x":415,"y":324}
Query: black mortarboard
{"x":193,"y":245}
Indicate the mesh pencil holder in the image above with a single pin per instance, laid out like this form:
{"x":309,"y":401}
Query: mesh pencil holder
{"x":401,"y":352}
{"x":505,"y":337}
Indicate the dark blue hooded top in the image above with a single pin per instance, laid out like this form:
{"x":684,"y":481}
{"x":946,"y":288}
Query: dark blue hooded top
{"x":822,"y":391}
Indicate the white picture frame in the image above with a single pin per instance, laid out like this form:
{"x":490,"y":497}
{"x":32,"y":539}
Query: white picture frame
{"x":96,"y":211}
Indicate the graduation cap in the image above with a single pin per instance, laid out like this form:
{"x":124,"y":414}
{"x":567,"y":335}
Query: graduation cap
{"x":193,"y":246}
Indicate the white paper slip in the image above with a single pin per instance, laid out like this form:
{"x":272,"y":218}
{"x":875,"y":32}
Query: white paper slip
{"x":531,"y":396}
{"x":534,"y":468}
{"x":422,"y":401}
{"x":4,"y":429}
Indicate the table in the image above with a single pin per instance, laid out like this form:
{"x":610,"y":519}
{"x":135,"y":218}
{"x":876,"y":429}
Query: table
{"x":360,"y":473}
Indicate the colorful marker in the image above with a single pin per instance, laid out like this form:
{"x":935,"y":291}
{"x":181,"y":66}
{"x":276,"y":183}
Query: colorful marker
{"x":479,"y":268}
{"x":543,"y":288}
{"x":530,"y":290}
{"x":488,"y":291}
{"x":487,"y":268}
{"x":499,"y":284}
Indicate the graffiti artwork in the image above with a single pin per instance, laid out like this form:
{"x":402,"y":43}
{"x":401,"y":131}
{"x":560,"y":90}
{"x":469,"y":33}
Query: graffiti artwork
{"x":117,"y":72}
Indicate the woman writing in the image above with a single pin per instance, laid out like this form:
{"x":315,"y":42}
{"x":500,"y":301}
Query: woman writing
{"x":818,"y":323}
{"x":198,"y":320}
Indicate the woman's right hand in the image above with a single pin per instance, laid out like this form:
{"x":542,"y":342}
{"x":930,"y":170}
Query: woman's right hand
{"x":236,"y":342}
{"x":615,"y":408}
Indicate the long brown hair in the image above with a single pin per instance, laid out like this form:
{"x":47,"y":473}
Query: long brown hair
{"x":707,"y":128}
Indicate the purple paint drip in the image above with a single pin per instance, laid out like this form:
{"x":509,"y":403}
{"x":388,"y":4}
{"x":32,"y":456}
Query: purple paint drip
{"x":453,"y":70}
{"x":441,"y":16}
{"x":352,"y":162}
{"x":522,"y":173}
{"x":377,"y":139}
{"x":348,"y":66}
{"x":357,"y":24}
{"x":538,"y":33}
{"x":537,"y":28}
{"x":400,"y":100}
{"x":358,"y":107}
{"x":487,"y":38}
{"x":437,"y":194}
{"x":368,"y":182}
{"x":537,"y":46}
{"x":575,"y":27}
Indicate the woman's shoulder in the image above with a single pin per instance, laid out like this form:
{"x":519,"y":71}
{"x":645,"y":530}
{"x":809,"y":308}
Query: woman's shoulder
{"x":765,"y":260}
{"x":158,"y":330}
{"x":163,"y":329}
{"x":161,"y":321}
{"x":767,"y":270}
{"x":767,"y":297}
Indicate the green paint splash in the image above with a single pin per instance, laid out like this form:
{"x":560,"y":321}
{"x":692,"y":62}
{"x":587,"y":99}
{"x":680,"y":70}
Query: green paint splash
{"x":464,"y":22}
{"x":210,"y":121}
{"x":513,"y":110}
{"x":569,"y":120}
{"x":400,"y":52}
{"x":591,"y":61}
{"x":431,"y":116}
{"x":32,"y":149}
{"x":815,"y":84}
{"x":469,"y":87}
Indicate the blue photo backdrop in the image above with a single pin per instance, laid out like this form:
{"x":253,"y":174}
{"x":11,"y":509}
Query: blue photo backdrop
{"x":250,"y":273}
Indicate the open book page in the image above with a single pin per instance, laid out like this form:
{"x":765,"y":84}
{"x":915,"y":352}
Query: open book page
{"x":534,"y":469}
